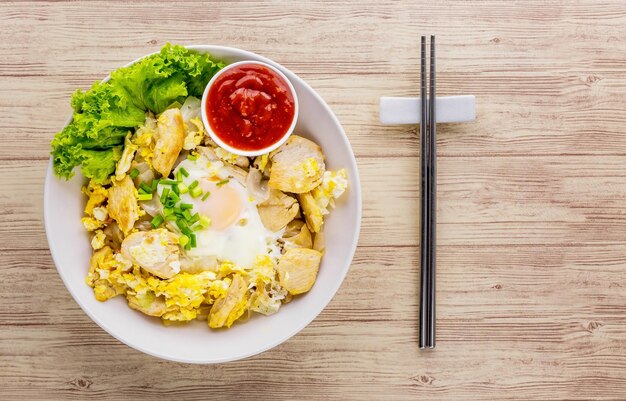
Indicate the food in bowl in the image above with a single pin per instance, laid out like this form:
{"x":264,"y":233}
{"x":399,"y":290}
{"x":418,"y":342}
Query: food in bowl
{"x":180,"y":227}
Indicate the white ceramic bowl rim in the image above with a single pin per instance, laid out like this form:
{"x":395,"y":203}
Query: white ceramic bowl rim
{"x":55,"y":243}
{"x":218,"y":140}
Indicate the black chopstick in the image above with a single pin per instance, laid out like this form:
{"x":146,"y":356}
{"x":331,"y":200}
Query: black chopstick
{"x":424,"y":329}
{"x":428,"y":155}
{"x":432,"y":198}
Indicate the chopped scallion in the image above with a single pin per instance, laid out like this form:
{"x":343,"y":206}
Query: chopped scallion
{"x":183,"y":188}
{"x":154,"y":184}
{"x":157,"y":220}
{"x":175,"y":198}
{"x":164,"y":195}
{"x":184,"y":171}
{"x":192,"y":237}
{"x":168,"y":182}
{"x":195,"y":192}
{"x":134,"y":173}
{"x":193,"y":184}
{"x":185,"y":206}
{"x":144,"y":197}
{"x":206,"y":195}
{"x":193,"y":219}
{"x":205,"y":222}
{"x":223,"y":182}
{"x":192,"y":157}
{"x":183,"y":240}
{"x":179,"y":176}
{"x":147,"y":189}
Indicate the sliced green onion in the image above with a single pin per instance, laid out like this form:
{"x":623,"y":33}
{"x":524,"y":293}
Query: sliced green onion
{"x":192,"y":237}
{"x":193,"y":158}
{"x":154,"y":184}
{"x":184,"y":171}
{"x":187,"y":215}
{"x":134,"y":173}
{"x":164,"y":195}
{"x":206,"y":195}
{"x":141,"y":191}
{"x":157,"y":220}
{"x":168,"y":182}
{"x":179,"y":176}
{"x":205,"y":222}
{"x":170,"y":217}
{"x":175,"y":198}
{"x":193,"y":219}
{"x":175,"y":189}
{"x":144,"y":197}
{"x":183,"y":240}
{"x":183,"y":188}
{"x":147,"y":189}
{"x":185,"y":206}
{"x":195,"y":192}
{"x":168,"y":211}
{"x":193,"y":184}
{"x":219,"y":184}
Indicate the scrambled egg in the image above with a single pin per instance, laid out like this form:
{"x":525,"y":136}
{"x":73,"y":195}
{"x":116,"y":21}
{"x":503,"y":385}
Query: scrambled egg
{"x":194,"y":133}
{"x":332,"y":187}
{"x":229,"y":291}
{"x":95,"y":214}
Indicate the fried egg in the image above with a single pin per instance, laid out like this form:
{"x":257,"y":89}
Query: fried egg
{"x":236,"y":232}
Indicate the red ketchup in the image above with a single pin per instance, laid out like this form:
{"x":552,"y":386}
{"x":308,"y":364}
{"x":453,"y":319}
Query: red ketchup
{"x":250,"y":107}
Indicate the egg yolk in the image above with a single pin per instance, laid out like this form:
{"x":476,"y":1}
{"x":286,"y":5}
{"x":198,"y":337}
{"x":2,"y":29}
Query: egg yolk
{"x":223,"y":206}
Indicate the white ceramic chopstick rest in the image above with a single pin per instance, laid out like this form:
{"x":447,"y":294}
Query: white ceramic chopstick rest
{"x":406,"y":110}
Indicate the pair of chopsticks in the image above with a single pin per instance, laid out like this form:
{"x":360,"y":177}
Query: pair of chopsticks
{"x":428,"y":155}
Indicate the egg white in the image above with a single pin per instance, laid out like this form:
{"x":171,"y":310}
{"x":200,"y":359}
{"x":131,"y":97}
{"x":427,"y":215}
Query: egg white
{"x":240,"y":242}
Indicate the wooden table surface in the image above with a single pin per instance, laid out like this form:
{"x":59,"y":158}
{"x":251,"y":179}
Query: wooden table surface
{"x":532,"y":200}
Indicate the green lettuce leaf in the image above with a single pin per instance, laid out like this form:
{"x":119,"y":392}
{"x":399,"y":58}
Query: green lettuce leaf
{"x":104,"y":114}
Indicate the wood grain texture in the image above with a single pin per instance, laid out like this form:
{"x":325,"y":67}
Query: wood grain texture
{"x":532,"y":227}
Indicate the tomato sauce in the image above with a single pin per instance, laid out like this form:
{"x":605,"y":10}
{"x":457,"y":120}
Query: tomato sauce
{"x":250,"y":107}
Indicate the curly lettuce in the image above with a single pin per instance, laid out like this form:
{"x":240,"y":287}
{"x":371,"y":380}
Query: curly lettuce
{"x":104,"y":114}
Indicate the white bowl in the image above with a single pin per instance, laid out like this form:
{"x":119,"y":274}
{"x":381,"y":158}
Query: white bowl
{"x":249,"y":153}
{"x":195,"y":342}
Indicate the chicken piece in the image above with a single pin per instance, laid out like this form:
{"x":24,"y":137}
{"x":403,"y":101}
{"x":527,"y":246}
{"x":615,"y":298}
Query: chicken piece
{"x":278,"y":210}
{"x":297,"y":166}
{"x":297,"y":235}
{"x":122,"y":205}
{"x":230,"y":308}
{"x":147,"y":303}
{"x":123,"y":164}
{"x":297,"y":269}
{"x":156,"y":251}
{"x":312,"y":212}
{"x":199,"y":264}
{"x":169,"y":141}
{"x":319,"y":243}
